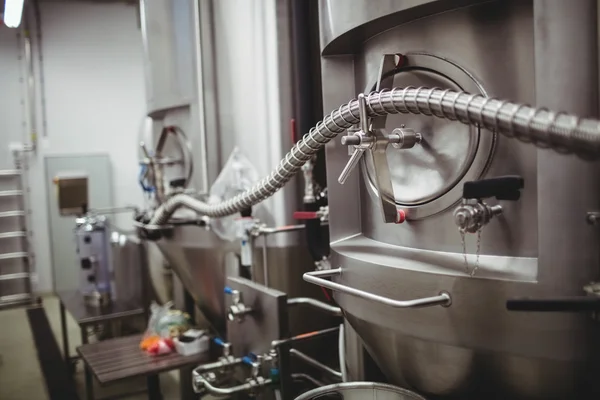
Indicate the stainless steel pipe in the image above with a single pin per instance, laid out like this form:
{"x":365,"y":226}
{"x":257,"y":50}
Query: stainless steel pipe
{"x":315,"y":363}
{"x":336,"y":311}
{"x":566,"y":133}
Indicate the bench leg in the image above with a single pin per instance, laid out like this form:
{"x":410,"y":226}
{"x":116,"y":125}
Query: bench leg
{"x":65,"y":339}
{"x":89,"y":381}
{"x":89,"y":384}
{"x":153,"y":382}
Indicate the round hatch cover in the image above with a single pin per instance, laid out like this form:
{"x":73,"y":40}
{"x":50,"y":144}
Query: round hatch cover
{"x":427,"y":178}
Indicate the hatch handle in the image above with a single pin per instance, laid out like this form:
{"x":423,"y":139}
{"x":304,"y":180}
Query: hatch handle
{"x":561,"y":304}
{"x":317,"y":278}
{"x":501,"y":187}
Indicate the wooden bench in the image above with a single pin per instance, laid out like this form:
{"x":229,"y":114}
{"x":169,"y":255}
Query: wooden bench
{"x":121,"y":358}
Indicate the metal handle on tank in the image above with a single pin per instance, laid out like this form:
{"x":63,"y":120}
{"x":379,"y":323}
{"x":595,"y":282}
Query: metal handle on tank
{"x":316,"y":277}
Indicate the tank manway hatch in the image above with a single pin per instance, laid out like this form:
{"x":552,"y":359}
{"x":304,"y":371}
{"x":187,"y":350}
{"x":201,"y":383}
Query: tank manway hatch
{"x":428,"y":179}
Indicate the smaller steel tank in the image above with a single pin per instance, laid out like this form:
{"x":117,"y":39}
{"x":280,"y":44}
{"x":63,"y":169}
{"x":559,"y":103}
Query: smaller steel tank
{"x":360,"y":391}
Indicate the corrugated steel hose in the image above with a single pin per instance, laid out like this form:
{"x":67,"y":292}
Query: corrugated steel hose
{"x":563,"y":132}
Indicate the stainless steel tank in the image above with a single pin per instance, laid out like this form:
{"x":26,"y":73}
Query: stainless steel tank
{"x":541,"y":246}
{"x":210,"y":73}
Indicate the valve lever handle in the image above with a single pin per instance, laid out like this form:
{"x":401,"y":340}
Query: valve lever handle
{"x":365,"y":123}
{"x":502,"y":188}
{"x":352,"y":163}
{"x":564,"y":304}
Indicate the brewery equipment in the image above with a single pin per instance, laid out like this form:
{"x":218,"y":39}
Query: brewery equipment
{"x":449,"y":210}
{"x":96,"y":282}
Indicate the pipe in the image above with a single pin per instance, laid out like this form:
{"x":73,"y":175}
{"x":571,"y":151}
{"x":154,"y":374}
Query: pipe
{"x":336,"y":311}
{"x":30,"y":82}
{"x":280,"y":229}
{"x":303,"y":337}
{"x":566,"y":133}
{"x":306,"y":377}
{"x":216,"y":365}
{"x":317,"y":364}
{"x":233,"y":389}
{"x":342,"y":353}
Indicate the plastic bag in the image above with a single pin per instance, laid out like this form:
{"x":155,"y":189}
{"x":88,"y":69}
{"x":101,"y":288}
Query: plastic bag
{"x":165,"y":322}
{"x":237,"y":175}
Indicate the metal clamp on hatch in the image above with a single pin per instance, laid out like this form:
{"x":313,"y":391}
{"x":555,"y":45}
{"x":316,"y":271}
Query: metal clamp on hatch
{"x":316,"y":277}
{"x":370,"y":136}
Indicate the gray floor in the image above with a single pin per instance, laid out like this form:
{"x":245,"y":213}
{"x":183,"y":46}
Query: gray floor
{"x":20,"y":374}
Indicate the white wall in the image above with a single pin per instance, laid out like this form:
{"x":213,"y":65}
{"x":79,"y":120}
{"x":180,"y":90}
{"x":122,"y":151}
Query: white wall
{"x":12,"y":112}
{"x":94,"y":89}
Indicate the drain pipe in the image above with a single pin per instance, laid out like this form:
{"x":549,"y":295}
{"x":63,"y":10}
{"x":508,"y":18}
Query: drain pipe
{"x":30,"y":86}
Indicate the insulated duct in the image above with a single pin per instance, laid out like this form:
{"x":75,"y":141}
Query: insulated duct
{"x":563,"y":132}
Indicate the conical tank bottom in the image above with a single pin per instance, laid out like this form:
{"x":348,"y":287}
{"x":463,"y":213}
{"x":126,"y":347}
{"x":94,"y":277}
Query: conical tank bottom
{"x":200,"y":260}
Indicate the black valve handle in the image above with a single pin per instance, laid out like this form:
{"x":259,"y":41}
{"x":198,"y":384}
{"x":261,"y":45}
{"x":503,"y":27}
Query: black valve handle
{"x":502,"y":188}
{"x":564,"y":304}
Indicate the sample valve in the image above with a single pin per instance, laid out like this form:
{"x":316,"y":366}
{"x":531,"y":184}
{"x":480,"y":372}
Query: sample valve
{"x":473,"y":214}
{"x":238,"y":310}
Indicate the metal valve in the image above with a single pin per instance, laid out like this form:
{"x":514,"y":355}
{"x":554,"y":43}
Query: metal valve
{"x":238,"y":310}
{"x":366,"y":138}
{"x":473,"y":214}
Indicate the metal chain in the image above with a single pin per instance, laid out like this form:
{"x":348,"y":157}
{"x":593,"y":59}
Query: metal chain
{"x":474,"y":270}
{"x":463,"y":241}
{"x":464,"y":247}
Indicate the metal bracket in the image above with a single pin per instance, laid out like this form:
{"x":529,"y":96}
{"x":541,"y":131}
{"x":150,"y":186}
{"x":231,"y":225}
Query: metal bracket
{"x":370,"y":136}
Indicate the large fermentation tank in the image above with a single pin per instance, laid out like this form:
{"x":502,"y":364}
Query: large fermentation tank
{"x":540,"y":247}
{"x":221,"y":72}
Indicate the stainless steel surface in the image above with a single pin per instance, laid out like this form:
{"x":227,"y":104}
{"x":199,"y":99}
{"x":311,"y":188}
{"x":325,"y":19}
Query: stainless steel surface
{"x":360,"y":391}
{"x":474,"y":349}
{"x":443,"y":299}
{"x":344,"y":29}
{"x":318,"y":365}
{"x":316,"y":304}
{"x":202,"y":261}
{"x":564,"y":132}
{"x":268,"y":320}
{"x":130,"y":264}
{"x":428,"y":179}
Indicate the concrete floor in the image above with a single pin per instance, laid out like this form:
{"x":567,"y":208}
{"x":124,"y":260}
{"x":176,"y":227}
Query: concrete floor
{"x":20,"y":374}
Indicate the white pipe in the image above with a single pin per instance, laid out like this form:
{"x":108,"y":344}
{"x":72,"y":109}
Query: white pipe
{"x":342,"y":353}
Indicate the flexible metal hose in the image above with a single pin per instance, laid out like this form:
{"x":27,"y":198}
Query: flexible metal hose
{"x":565,"y":133}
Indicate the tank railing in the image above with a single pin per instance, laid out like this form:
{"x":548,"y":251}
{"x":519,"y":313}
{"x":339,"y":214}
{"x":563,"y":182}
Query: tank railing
{"x":566,"y":133}
{"x":316,"y":277}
